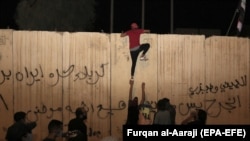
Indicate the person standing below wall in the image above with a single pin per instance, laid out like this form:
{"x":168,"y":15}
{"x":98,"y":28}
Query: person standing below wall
{"x":162,"y":116}
{"x":55,"y":128}
{"x":171,"y":109}
{"x":134,"y":45}
{"x":78,"y":125}
{"x":133,"y":107}
{"x":21,"y":130}
{"x":196,"y":117}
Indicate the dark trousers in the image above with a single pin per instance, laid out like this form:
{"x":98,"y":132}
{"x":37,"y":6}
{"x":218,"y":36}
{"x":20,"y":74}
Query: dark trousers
{"x":134,"y":55}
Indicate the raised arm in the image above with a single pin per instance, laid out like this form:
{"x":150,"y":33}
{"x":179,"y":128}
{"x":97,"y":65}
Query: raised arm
{"x":190,"y":118}
{"x":146,"y":31}
{"x":123,"y":34}
{"x":143,"y":93}
{"x":131,"y":83}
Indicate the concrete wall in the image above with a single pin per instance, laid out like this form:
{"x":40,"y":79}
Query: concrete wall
{"x":50,"y":74}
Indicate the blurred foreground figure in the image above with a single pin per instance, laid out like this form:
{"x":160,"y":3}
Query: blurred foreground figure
{"x":78,"y":125}
{"x":196,"y":117}
{"x":21,"y":130}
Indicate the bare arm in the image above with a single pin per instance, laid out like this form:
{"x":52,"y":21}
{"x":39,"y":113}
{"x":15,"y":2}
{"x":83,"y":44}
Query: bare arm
{"x":123,"y":34}
{"x":146,"y":31}
{"x":143,"y":93}
{"x":190,"y":118}
{"x":131,"y":83}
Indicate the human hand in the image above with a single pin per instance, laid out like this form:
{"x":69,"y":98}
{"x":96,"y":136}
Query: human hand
{"x":193,"y":113}
{"x":143,"y":85}
{"x":131,"y":82}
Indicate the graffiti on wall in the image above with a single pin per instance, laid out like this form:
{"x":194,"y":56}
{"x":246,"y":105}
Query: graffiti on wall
{"x":183,"y":108}
{"x":210,"y":88}
{"x":43,"y":109}
{"x":30,"y":76}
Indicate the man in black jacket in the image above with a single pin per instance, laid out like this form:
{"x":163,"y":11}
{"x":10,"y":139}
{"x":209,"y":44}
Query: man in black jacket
{"x":20,"y":129}
{"x":78,"y":124}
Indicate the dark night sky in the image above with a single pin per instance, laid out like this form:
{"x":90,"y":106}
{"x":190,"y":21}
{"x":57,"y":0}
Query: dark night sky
{"x":207,"y":14}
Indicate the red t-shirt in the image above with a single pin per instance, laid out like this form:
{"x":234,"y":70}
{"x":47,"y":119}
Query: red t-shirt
{"x":134,"y":37}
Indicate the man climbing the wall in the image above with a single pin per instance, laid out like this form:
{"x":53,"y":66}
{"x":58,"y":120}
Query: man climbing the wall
{"x":134,"y":45}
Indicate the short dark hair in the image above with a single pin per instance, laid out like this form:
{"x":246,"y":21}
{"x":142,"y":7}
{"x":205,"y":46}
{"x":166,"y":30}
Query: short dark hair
{"x":166,"y":99}
{"x":54,"y":124}
{"x":81,"y":113}
{"x":78,"y":111}
{"x":19,"y":116}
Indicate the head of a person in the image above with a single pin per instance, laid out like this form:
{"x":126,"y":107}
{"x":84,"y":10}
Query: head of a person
{"x":81,"y":113}
{"x":166,"y":102}
{"x":134,"y":25}
{"x":55,"y":127}
{"x":201,"y":116}
{"x":20,"y":116}
{"x":161,"y":105}
{"x":135,"y":101}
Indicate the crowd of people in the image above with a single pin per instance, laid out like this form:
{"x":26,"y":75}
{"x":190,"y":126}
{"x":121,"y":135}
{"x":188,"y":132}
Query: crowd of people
{"x":21,"y":129}
{"x":165,"y":114}
{"x":137,"y":114}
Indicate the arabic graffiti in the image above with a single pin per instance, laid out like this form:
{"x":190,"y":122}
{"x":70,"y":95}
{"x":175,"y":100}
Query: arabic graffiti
{"x":43,"y":109}
{"x":84,"y":74}
{"x":35,"y":75}
{"x":210,"y":105}
{"x":102,"y":112}
{"x":222,"y":88}
{"x":4,"y":103}
{"x":121,"y":106}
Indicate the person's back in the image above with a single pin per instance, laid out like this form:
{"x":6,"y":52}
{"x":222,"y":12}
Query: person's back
{"x":16,"y":132}
{"x":20,"y":129}
{"x":134,"y":37}
{"x":133,"y":106}
{"x":132,"y":116}
{"x":171,"y":110}
{"x":162,"y":116}
{"x":77,"y":124}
